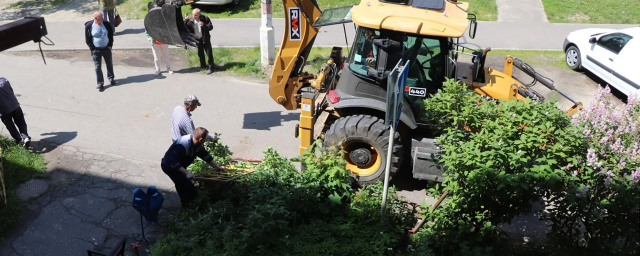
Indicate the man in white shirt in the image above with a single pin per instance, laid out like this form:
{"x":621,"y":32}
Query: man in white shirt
{"x":200,"y":26}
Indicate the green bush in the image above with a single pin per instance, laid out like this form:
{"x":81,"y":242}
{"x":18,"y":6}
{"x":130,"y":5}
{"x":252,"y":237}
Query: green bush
{"x":280,"y":211}
{"x":500,"y":157}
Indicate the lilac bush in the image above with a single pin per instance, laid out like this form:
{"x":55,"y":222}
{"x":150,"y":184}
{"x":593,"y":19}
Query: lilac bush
{"x":501,"y":157}
{"x":598,"y":210}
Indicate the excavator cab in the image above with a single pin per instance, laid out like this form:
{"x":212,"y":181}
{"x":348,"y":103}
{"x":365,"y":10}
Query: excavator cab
{"x":164,"y":23}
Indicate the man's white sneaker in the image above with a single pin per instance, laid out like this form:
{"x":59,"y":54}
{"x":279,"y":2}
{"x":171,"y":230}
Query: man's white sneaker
{"x":25,"y":142}
{"x":170,"y":72}
{"x":157,"y":73}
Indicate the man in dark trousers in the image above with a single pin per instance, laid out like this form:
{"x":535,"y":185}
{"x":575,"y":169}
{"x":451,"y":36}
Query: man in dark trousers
{"x":200,"y":26}
{"x":12,"y":115}
{"x":180,"y":155}
{"x":99,"y":37}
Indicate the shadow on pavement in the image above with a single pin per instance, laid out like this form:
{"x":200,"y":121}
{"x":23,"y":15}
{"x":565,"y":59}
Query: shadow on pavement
{"x":87,"y":206}
{"x":234,"y":66}
{"x":187,"y":70}
{"x":404,"y":181}
{"x":130,"y":31}
{"x":134,"y":80}
{"x":56,"y":139}
{"x":603,"y":84}
{"x":267,"y":120}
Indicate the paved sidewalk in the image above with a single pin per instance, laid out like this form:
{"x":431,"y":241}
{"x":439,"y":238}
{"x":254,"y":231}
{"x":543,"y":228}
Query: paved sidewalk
{"x":102,"y":145}
{"x":69,"y":35}
{"x":530,"y":11}
{"x":88,"y":205}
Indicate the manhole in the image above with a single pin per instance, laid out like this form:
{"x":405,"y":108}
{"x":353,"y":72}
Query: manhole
{"x":31,"y":188}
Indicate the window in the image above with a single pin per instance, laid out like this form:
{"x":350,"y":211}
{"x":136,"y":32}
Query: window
{"x":614,"y":42}
{"x":427,"y":66}
{"x":364,"y":53}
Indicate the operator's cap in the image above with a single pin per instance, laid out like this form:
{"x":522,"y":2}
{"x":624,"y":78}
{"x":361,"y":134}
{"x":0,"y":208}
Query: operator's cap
{"x":192,"y":99}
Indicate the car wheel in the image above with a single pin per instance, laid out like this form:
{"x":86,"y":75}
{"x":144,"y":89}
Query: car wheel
{"x":572,"y":58}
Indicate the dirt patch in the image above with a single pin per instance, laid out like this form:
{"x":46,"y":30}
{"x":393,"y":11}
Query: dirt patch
{"x":132,"y":58}
{"x":578,"y":18}
{"x":140,"y":58}
{"x":51,"y":10}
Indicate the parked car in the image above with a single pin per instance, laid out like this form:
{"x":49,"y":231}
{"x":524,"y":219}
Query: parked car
{"x":611,"y":54}
{"x":217,"y":2}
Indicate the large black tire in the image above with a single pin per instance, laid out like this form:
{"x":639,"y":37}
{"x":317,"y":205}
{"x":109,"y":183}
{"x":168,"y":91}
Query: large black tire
{"x":572,"y":58}
{"x":365,"y":142}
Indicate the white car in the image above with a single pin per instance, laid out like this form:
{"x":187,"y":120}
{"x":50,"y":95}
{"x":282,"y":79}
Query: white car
{"x":217,"y":2}
{"x":611,"y":54}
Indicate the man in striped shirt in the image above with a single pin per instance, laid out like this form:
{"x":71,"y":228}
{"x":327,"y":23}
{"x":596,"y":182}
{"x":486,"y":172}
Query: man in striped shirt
{"x":181,"y":122}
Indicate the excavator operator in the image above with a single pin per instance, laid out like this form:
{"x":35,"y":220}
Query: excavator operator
{"x":367,"y":49}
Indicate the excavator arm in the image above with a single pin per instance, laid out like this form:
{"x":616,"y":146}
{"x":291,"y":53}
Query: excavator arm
{"x":287,"y":77}
{"x":22,"y":31}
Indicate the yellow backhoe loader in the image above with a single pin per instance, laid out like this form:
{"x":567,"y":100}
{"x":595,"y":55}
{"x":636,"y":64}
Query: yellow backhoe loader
{"x":346,"y":100}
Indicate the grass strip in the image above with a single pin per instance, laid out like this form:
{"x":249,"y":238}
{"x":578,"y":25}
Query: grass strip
{"x":18,"y":166}
{"x":245,"y":62}
{"x":485,"y":10}
{"x":136,"y":9}
{"x":534,"y":57}
{"x":592,"y":11}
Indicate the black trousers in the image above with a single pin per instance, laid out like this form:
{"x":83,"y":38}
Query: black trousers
{"x":205,"y":46}
{"x":97,"y":55}
{"x":13,"y":119}
{"x":185,"y":188}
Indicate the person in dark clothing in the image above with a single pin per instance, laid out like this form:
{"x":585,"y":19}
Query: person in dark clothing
{"x":99,"y":37}
{"x":12,"y":115}
{"x":200,"y":26}
{"x":180,"y":155}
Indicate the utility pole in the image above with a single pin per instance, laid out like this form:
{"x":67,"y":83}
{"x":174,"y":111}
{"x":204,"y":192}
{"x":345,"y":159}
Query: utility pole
{"x":267,"y":37}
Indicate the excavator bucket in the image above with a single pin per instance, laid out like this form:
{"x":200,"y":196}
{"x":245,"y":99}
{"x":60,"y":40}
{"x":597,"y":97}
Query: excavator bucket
{"x":166,"y":25}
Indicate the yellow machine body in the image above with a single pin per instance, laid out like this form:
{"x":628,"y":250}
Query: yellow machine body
{"x":293,"y":88}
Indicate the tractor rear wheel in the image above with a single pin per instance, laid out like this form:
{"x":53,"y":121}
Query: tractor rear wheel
{"x":365,"y":142}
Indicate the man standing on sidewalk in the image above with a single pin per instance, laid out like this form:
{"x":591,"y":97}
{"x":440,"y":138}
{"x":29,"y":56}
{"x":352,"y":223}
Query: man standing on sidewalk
{"x":181,"y":122}
{"x":99,"y":38}
{"x":200,"y":26}
{"x":107,"y":8}
{"x":12,"y":115}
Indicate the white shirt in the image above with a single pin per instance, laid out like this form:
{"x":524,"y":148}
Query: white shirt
{"x":197,"y":29}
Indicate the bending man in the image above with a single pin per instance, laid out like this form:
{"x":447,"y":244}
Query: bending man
{"x":180,"y":155}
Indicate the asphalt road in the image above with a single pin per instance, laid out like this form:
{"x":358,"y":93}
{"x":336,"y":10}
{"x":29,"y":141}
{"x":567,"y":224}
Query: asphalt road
{"x":61,"y":105}
{"x":245,"y":33}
